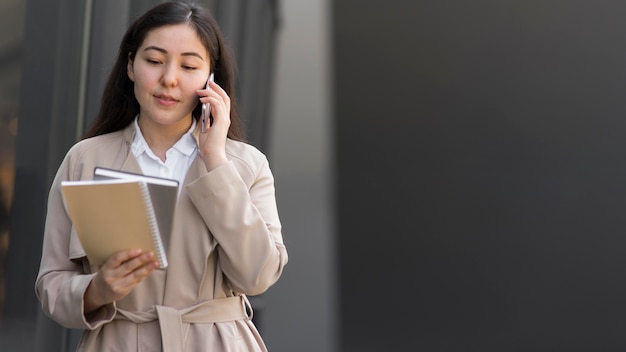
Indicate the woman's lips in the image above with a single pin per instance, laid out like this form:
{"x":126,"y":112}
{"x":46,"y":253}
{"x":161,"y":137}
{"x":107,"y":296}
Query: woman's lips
{"x":165,"y":100}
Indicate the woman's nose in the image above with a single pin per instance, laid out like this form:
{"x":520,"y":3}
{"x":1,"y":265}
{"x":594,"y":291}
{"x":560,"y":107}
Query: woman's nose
{"x":170,"y":76}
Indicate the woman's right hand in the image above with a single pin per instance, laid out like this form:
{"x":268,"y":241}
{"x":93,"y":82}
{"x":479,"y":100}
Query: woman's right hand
{"x":119,"y":275}
{"x":212,"y":144}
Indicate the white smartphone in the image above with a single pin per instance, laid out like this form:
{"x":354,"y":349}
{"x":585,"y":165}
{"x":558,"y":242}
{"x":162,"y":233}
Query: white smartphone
{"x":206,"y":109}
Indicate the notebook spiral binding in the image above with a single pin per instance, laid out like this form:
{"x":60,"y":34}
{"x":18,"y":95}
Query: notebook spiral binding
{"x":154,"y":226}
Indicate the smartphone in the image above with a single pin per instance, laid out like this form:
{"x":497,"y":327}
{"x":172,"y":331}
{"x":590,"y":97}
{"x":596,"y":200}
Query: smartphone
{"x":206,"y":108}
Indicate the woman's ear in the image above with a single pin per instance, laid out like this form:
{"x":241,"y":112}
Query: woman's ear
{"x":129,"y":68}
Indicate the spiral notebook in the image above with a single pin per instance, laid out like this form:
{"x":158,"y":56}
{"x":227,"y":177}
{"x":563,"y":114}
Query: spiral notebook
{"x":119,"y":210}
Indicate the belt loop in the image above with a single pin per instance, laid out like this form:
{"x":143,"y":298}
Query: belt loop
{"x":247,"y":307}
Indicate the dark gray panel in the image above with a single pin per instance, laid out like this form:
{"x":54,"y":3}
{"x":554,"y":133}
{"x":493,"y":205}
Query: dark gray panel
{"x":256,"y":67}
{"x":481,"y":174}
{"x":250,"y":28}
{"x":47,"y":122}
{"x":48,"y":113}
{"x":109,"y":21}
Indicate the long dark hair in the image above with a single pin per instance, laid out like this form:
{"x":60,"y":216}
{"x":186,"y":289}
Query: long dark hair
{"x":119,"y":105}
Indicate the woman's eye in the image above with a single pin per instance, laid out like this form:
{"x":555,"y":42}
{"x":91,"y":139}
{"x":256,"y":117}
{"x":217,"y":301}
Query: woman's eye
{"x":155,"y":62}
{"x":189,"y":67}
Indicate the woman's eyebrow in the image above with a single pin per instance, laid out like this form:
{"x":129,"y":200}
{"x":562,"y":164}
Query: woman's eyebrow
{"x":161,"y":50}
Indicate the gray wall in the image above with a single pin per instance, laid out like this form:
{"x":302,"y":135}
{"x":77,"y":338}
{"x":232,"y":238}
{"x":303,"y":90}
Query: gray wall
{"x":481,"y":174}
{"x":301,"y":313}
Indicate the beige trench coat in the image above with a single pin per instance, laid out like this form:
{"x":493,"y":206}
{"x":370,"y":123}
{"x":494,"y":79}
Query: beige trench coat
{"x":226,"y":243}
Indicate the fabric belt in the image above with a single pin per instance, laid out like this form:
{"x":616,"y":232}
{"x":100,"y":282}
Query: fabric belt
{"x":171,"y":319}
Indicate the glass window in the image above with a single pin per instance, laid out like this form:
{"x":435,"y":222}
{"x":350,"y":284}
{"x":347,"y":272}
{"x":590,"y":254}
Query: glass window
{"x":11,"y":29}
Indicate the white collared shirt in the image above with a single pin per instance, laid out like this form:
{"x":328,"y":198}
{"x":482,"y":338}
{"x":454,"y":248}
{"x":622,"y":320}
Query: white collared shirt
{"x":177,"y":159}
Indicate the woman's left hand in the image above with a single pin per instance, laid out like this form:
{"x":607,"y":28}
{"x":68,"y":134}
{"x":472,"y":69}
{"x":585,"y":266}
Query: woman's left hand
{"x":212,"y":143}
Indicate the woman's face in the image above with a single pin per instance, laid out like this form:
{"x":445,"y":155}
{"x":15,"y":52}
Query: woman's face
{"x":169,"y":67}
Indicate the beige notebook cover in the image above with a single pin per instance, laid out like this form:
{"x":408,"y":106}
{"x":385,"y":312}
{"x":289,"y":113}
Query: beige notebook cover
{"x":113,"y":215}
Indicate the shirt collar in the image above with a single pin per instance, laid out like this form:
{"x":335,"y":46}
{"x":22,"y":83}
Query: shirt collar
{"x":186,"y":144}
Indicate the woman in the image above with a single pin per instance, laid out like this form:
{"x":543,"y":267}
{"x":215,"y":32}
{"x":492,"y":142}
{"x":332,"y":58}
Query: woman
{"x":226,"y":242}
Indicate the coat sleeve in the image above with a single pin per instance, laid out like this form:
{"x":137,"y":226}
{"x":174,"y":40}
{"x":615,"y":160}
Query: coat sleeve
{"x":62,"y":280}
{"x":244,"y":221}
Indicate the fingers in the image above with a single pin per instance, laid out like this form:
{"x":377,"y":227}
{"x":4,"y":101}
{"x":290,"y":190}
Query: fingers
{"x":218,"y":100}
{"x":122,"y":285}
{"x":125,"y":270}
{"x":222,"y":93}
{"x":212,"y":143}
{"x":125,"y":263}
{"x":213,"y":88}
{"x":120,"y":257}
